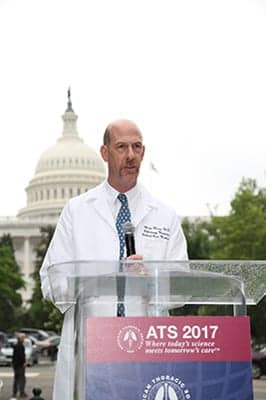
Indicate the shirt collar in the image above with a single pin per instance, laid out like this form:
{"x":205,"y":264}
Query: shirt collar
{"x":113,"y":193}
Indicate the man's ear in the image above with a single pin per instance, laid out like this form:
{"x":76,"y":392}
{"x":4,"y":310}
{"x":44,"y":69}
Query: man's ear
{"x":143,"y":152}
{"x":104,"y":152}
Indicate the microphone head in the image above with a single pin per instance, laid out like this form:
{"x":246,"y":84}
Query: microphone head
{"x":128,"y":228}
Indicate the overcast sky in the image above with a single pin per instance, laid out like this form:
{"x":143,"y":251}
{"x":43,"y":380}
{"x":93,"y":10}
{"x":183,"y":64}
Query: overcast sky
{"x":191,"y":74}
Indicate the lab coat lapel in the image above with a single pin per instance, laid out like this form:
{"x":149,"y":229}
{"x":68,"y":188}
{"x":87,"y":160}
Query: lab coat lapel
{"x":98,"y":200}
{"x":102,"y":209}
{"x":145,"y":205}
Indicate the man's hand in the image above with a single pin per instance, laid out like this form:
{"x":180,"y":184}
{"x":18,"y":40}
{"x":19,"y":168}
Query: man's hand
{"x":135,"y":257}
{"x":135,"y":267}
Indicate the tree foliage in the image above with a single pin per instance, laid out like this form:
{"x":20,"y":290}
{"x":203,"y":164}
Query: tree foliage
{"x":11,"y":282}
{"x":43,"y":313}
{"x":241,"y":235}
{"x":198,"y":238}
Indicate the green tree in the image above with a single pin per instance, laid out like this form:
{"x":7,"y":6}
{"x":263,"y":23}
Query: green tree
{"x":242,"y":234}
{"x":197,"y":233}
{"x":11,"y":282}
{"x":43,"y":313}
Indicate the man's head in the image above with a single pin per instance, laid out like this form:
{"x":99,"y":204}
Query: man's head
{"x":36,"y":391}
{"x":21,"y":338}
{"x":123,"y":151}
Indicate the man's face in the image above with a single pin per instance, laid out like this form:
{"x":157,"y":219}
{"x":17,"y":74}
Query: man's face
{"x":123,"y":154}
{"x":21,"y":339}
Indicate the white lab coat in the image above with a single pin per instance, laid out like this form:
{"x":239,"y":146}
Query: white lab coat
{"x":86,"y":231}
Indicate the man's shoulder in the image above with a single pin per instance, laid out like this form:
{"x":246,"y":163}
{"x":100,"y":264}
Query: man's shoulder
{"x":155,"y":201}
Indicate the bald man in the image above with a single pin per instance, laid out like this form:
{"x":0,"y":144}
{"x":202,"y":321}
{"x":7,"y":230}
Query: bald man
{"x":87,"y":230}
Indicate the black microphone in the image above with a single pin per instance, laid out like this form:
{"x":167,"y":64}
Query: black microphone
{"x":129,"y":230}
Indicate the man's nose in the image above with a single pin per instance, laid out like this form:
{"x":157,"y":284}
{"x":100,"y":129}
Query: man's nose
{"x":130,"y":152}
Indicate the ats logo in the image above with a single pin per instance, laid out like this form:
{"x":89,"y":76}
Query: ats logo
{"x":130,"y":339}
{"x":166,"y":387}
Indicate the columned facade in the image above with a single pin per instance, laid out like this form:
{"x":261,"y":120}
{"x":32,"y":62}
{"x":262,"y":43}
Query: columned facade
{"x":26,"y":237}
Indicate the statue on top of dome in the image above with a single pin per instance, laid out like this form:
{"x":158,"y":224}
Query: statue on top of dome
{"x":69,"y":103}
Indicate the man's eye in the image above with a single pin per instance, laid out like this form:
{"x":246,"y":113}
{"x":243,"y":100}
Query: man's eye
{"x":124,"y":147}
{"x":137,"y":146}
{"x":121,"y":147}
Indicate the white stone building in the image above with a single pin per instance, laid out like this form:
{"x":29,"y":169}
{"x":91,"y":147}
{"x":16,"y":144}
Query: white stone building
{"x":64,"y":170}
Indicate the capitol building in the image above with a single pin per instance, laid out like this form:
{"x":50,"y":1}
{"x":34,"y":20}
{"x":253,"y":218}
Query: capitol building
{"x":66,"y":169}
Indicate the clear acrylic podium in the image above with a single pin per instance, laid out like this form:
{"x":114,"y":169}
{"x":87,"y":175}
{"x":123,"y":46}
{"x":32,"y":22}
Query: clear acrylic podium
{"x":149,"y":288}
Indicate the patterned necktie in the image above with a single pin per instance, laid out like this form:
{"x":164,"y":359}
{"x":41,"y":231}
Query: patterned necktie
{"x":123,"y":216}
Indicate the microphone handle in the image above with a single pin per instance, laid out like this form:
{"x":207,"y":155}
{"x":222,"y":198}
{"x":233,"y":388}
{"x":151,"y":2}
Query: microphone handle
{"x":130,"y":244}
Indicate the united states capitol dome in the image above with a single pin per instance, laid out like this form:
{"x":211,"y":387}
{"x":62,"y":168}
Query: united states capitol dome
{"x":66,"y":169}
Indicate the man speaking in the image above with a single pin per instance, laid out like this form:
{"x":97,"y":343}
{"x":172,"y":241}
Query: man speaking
{"x":97,"y":224}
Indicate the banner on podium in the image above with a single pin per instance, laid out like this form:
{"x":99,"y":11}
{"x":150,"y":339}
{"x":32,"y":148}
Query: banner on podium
{"x":168,"y":358}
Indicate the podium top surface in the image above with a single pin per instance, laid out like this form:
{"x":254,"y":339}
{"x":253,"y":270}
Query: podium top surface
{"x":162,"y":282}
